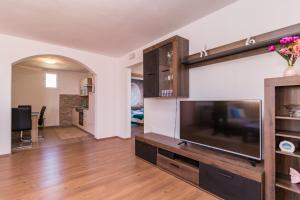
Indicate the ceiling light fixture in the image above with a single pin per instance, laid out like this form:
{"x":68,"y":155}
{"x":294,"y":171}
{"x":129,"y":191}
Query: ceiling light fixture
{"x":50,"y":61}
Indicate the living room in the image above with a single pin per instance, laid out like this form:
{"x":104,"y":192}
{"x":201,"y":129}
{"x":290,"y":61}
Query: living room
{"x":226,"y":52}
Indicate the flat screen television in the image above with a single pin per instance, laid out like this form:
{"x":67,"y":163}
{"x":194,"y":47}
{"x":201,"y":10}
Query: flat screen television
{"x":230,"y":126}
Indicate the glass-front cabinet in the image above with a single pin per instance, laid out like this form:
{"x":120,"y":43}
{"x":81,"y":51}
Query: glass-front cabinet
{"x":164,"y":75}
{"x":166,"y":70}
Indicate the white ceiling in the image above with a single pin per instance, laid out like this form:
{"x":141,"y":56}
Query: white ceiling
{"x":61,"y":63}
{"x":109,"y":27}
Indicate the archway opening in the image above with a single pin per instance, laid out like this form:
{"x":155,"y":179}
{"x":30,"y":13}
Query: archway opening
{"x":60,"y":93}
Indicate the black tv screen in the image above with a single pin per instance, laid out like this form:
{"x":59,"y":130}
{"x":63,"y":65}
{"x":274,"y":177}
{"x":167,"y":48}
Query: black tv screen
{"x":231,"y":126}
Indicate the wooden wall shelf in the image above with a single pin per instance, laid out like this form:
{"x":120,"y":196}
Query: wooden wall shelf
{"x":288,"y":134}
{"x":286,"y":184}
{"x":278,"y":127}
{"x":239,"y":49}
{"x":287,"y":118}
{"x":295,"y":154}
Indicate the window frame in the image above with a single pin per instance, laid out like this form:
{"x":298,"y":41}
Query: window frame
{"x":56,"y":80}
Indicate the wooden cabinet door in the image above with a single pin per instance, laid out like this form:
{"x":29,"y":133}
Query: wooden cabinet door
{"x":166,"y":70}
{"x":151,"y":75}
{"x":228,"y":185}
{"x":146,"y":151}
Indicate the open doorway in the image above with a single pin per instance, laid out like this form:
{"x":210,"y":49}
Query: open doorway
{"x":137,"y":100}
{"x":53,"y":101}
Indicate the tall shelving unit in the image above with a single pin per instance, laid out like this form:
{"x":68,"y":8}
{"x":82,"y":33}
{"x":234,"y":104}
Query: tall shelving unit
{"x":279,"y":126}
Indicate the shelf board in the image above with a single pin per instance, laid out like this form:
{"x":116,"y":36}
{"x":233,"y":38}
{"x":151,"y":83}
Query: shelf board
{"x":230,"y":51}
{"x":286,"y":184}
{"x":288,"y":134}
{"x":288,"y":118}
{"x":295,"y":154}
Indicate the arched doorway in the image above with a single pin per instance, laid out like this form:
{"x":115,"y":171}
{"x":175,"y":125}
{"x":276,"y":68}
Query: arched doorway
{"x":66,"y":88}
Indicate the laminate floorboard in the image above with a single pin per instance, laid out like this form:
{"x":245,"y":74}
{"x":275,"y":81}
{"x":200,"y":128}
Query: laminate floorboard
{"x":91,"y":169}
{"x":135,"y":130}
{"x":53,"y":136}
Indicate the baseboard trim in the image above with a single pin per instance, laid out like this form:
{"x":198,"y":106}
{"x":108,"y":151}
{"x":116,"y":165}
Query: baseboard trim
{"x":57,"y":126}
{"x":113,"y":137}
{"x":5,"y":155}
{"x":129,"y":138}
{"x":107,"y":138}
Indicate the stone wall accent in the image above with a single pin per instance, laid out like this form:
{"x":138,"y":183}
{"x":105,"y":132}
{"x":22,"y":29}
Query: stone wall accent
{"x":66,"y":104}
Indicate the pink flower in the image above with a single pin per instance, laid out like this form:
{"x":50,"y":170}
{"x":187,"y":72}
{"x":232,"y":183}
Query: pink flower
{"x":286,"y":40}
{"x":271,"y":48}
{"x":285,"y":51}
{"x":295,"y":38}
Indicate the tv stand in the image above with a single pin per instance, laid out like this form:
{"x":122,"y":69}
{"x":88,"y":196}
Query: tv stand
{"x":224,"y":175}
{"x":182,"y":142}
{"x":253,"y":162}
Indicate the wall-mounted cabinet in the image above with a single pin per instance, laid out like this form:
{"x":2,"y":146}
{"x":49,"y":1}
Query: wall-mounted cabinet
{"x":86,"y":86}
{"x":164,"y":75}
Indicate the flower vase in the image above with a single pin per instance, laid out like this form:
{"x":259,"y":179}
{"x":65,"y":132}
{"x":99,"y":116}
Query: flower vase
{"x":290,"y":71}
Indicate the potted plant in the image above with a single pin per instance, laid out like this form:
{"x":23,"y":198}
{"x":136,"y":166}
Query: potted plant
{"x":289,"y":49}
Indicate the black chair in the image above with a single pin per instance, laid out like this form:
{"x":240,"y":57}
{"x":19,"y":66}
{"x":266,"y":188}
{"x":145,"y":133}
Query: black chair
{"x":23,"y":137}
{"x":41,"y":118}
{"x":41,"y":123}
{"x":21,"y":121}
{"x":24,"y":106}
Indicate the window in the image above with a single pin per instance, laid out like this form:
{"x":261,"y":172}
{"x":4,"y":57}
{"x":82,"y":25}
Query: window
{"x":51,"y":80}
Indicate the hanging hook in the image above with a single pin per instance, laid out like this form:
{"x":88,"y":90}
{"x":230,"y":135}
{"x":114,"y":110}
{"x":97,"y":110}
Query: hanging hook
{"x":250,"y":41}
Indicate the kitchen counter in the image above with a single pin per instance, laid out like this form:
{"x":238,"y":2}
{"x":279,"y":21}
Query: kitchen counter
{"x":85,"y":115}
{"x":81,"y":109}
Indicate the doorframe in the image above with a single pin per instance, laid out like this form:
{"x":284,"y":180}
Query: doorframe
{"x":129,"y":77}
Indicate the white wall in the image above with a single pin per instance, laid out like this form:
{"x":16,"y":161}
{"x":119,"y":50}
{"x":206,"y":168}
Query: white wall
{"x":13,"y":49}
{"x":28,"y":88}
{"x":123,"y":120}
{"x":68,"y":82}
{"x":237,"y":79}
{"x":137,"y":69}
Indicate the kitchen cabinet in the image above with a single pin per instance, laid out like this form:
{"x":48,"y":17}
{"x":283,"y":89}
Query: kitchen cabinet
{"x":88,"y":115}
{"x":86,"y":86}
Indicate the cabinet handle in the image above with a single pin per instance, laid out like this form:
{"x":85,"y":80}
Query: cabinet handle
{"x":149,"y":74}
{"x":225,"y":175}
{"x":165,"y":70}
{"x":174,"y":165}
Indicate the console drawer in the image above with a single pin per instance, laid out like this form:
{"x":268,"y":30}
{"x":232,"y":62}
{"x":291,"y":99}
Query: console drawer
{"x":146,"y":151}
{"x":228,"y":185}
{"x":178,"y":168}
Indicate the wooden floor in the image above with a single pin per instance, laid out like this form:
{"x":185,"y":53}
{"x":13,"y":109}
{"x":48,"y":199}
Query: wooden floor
{"x":135,"y":130}
{"x":62,"y":135}
{"x":100,"y":170}
{"x":55,"y":136}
